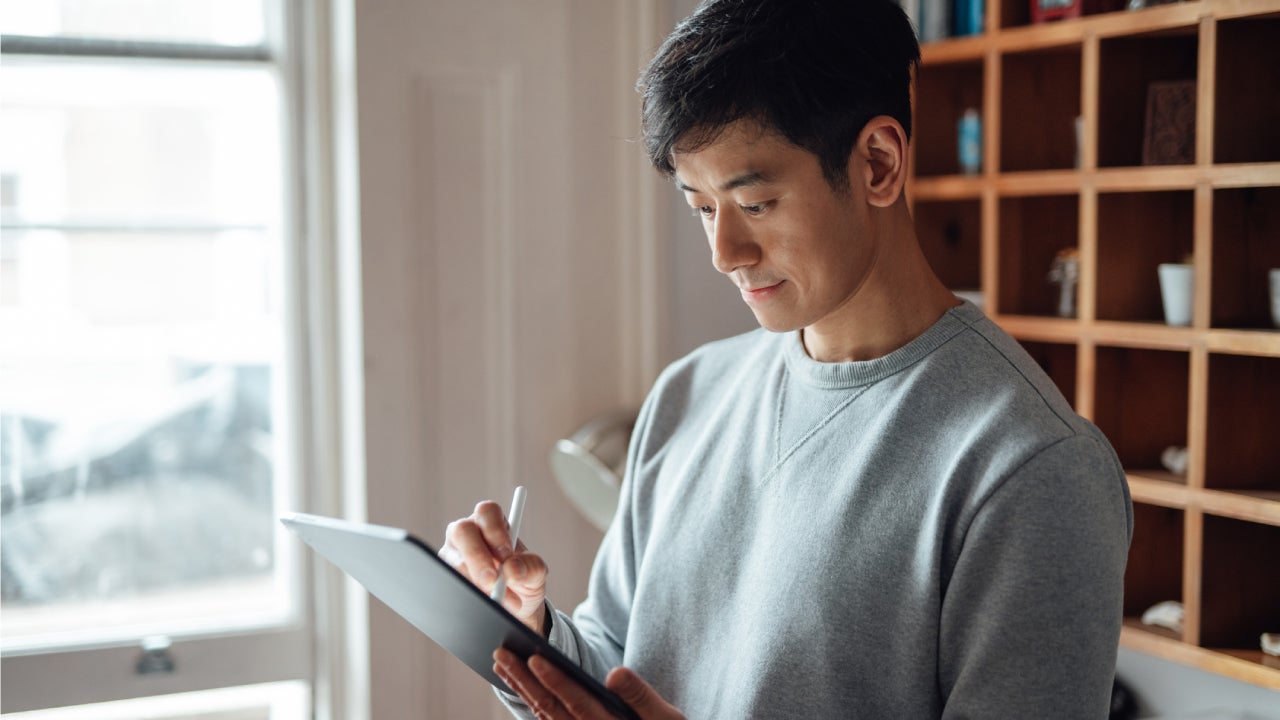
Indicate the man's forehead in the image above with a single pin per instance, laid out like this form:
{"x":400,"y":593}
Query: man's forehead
{"x":743,"y":154}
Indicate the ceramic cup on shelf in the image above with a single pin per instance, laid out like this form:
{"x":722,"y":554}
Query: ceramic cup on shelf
{"x":1275,"y":296}
{"x":1176,"y":282}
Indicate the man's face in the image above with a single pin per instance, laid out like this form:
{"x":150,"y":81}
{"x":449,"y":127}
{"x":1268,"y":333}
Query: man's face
{"x":797,"y":249}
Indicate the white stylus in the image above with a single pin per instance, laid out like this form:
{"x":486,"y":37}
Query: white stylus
{"x":514,"y":517}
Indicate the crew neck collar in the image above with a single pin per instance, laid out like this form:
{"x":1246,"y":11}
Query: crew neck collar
{"x":864,"y":372}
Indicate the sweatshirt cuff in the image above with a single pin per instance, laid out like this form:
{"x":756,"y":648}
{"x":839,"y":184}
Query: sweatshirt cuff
{"x":561,"y":636}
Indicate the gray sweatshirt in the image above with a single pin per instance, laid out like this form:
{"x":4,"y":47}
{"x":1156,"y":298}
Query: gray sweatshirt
{"x":934,"y":533}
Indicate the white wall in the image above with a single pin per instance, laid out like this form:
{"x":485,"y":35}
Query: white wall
{"x":508,"y":275}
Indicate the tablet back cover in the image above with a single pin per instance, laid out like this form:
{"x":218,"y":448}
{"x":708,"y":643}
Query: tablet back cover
{"x":405,"y":574}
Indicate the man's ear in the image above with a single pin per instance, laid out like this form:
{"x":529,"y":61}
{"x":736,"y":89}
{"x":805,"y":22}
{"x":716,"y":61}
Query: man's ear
{"x":879,"y":161}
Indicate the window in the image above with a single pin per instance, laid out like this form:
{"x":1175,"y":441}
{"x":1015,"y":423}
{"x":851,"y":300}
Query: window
{"x":147,"y":433}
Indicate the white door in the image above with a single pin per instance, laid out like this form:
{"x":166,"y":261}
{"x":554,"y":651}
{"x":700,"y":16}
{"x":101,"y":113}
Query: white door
{"x":509,"y":272}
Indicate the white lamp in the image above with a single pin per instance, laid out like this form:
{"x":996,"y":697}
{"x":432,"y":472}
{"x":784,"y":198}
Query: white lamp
{"x":590,"y":464}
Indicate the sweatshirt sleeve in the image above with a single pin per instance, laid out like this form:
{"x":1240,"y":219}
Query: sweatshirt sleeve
{"x":1032,"y":612}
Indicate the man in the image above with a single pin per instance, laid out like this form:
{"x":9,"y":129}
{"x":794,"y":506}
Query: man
{"x":877,"y":506}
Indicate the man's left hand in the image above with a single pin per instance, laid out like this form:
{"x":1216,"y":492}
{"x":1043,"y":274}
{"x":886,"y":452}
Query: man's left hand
{"x":552,"y":695}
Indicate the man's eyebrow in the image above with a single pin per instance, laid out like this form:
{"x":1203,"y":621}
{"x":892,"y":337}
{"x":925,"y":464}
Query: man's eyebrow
{"x":746,"y":179}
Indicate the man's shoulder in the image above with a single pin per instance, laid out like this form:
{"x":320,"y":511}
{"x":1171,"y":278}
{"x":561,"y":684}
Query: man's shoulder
{"x":999,"y":373}
{"x":982,"y":393}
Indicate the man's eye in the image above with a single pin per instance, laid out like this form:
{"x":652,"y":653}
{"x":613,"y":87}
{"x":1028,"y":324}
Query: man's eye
{"x":755,"y":209}
{"x":704,"y":211}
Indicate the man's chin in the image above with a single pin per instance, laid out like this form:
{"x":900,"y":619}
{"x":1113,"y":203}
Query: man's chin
{"x":775,"y":324}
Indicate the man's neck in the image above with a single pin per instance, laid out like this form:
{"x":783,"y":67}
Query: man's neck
{"x":900,"y":299}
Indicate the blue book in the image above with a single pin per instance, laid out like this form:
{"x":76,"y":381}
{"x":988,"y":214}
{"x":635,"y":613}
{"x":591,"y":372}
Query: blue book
{"x":967,"y":17}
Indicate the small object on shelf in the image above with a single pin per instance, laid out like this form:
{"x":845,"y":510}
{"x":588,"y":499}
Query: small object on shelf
{"x":1275,"y":296}
{"x":1176,"y":283}
{"x":1170,"y":136}
{"x":1174,"y":459}
{"x":1271,"y":643}
{"x":1065,"y":272}
{"x":1045,"y":10}
{"x":967,"y":17}
{"x":935,"y":19}
{"x":1140,"y":4}
{"x":1167,"y":614}
{"x":969,"y":130}
{"x":1079,"y":125}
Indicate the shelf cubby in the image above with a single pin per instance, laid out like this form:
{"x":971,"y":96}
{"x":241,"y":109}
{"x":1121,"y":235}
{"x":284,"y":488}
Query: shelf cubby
{"x":1154,"y":572}
{"x":1015,"y":14}
{"x":1246,"y":245}
{"x":1137,"y":232}
{"x":1141,"y":402}
{"x":1243,"y":417}
{"x":1129,"y":65}
{"x":1058,"y":360}
{"x":1247,"y":73}
{"x":1240,"y":590}
{"x":1032,"y":232}
{"x":944,"y":93}
{"x":949,"y":234}
{"x":1040,"y":103}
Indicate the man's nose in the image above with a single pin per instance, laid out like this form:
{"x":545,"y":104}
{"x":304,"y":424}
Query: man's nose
{"x":732,"y":246}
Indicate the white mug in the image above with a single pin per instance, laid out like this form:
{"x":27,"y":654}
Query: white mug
{"x":1176,"y":283}
{"x":1275,"y":297}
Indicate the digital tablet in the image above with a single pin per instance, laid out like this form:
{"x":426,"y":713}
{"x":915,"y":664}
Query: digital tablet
{"x":405,"y":574}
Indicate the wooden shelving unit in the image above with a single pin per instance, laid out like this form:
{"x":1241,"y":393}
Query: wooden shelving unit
{"x":1209,"y":539}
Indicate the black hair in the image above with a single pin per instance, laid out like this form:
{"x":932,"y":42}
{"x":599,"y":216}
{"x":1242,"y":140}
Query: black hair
{"x":813,"y":71}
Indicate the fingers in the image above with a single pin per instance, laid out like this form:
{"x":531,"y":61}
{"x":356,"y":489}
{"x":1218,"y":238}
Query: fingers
{"x":475,"y":545}
{"x":526,"y":575}
{"x":547,"y":691}
{"x":493,"y":525}
{"x":550,"y":693}
{"x":516,"y":674}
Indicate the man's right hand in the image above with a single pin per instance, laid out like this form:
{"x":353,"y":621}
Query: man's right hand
{"x":479,"y":547}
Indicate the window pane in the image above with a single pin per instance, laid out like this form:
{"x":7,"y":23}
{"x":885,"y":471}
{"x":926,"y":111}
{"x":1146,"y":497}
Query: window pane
{"x":142,"y":434}
{"x":130,"y":143}
{"x":222,"y":22}
{"x":272,"y":701}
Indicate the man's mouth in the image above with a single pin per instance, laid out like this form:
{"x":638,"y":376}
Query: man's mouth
{"x":759,"y":292}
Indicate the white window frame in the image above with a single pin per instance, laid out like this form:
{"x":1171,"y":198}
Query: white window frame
{"x":327,"y":645}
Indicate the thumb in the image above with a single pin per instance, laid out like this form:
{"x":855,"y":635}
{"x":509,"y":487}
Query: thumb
{"x":640,"y":695}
